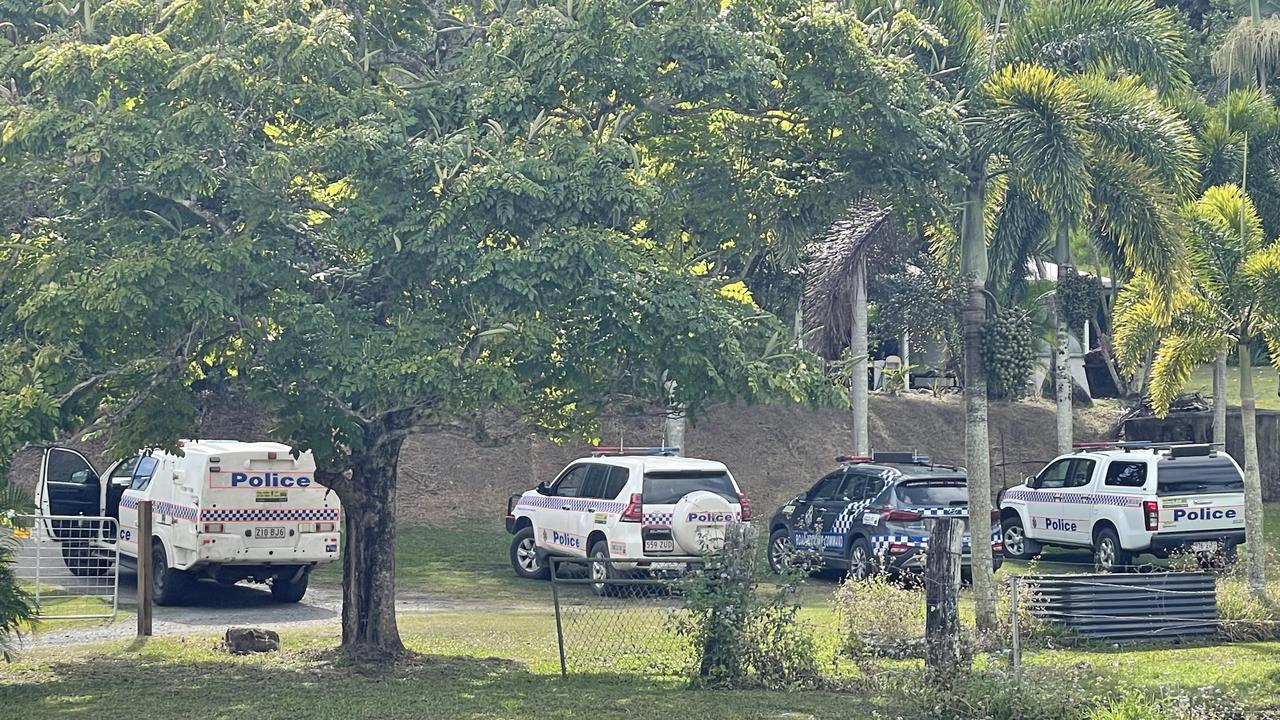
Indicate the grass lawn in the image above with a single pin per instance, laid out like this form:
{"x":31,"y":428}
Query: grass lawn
{"x":1266,"y":383}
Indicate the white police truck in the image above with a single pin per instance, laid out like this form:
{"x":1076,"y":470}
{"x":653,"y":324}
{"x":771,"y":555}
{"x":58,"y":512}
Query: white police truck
{"x":1125,"y":499}
{"x":221,"y":509}
{"x":644,"y":504}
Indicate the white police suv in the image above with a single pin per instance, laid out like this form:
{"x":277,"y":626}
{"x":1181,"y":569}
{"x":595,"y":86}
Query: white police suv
{"x":641,"y":504}
{"x":1125,"y":499}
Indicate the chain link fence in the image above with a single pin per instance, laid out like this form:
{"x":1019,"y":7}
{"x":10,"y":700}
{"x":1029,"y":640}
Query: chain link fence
{"x":69,"y":565}
{"x":612,"y":616}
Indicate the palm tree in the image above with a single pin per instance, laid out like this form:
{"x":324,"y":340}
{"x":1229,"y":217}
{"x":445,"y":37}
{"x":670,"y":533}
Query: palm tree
{"x":835,"y":298}
{"x":16,"y":613}
{"x":1234,"y":295}
{"x":1042,"y":88}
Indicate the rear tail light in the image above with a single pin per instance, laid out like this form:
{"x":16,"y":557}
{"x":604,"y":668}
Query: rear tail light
{"x":634,"y":511}
{"x":213,"y":527}
{"x":898,"y":548}
{"x":326,"y":527}
{"x":1151,"y":514}
{"x":890,"y":515}
{"x":745,"y":503}
{"x":995,"y":516}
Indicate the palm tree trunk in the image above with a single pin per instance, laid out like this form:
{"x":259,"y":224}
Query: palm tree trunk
{"x":858,"y":393}
{"x":977,"y":446}
{"x":1256,"y":571}
{"x":1220,"y":398}
{"x":1062,"y":385}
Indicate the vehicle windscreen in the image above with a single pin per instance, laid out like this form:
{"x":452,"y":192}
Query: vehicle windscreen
{"x":942,"y":492}
{"x":1198,"y":476}
{"x":666,"y":488}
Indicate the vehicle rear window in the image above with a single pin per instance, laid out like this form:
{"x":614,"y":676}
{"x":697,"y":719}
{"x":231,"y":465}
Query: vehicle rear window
{"x":666,"y":488}
{"x":934,"y":493}
{"x":1197,"y":476}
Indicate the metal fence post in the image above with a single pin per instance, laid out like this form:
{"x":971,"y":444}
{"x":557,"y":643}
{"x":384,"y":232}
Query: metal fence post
{"x":1016,"y":650}
{"x":555,"y":599}
{"x":144,"y":569}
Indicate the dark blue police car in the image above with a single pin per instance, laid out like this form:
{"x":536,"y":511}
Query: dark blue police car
{"x":871,"y":514}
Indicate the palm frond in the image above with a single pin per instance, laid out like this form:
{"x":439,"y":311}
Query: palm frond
{"x":829,"y":271}
{"x":1137,"y":318}
{"x":1178,"y":356}
{"x":1224,"y":231}
{"x":1036,"y":120}
{"x":1128,"y":116}
{"x":1135,"y":218}
{"x":1262,"y":271}
{"x":1086,"y":35}
{"x":1250,"y":48}
{"x":1020,"y":232}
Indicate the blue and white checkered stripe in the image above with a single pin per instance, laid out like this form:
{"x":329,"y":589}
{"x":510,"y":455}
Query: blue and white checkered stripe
{"x":160,"y":507}
{"x":575,"y":504}
{"x":1049,"y":495}
{"x":956,"y":512}
{"x":659,"y":519}
{"x":880,"y":543}
{"x":844,"y":521}
{"x":275,"y":515}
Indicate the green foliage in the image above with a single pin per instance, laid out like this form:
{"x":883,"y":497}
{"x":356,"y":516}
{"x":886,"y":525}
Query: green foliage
{"x":16,"y":611}
{"x":745,"y":636}
{"x":1009,"y":352}
{"x":912,"y":293}
{"x":1079,"y":297}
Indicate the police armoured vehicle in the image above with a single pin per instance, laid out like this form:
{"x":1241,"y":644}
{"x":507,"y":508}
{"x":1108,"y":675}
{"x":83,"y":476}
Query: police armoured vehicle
{"x":644,"y":504}
{"x":1128,"y":498}
{"x":222,"y":509}
{"x":872,"y":513}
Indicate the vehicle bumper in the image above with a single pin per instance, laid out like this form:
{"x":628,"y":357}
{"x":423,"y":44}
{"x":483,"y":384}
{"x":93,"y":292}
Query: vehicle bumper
{"x":914,"y":560}
{"x":231,"y":549}
{"x":1180,"y":541}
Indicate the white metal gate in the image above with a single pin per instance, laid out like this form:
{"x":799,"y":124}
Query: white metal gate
{"x":69,"y":564}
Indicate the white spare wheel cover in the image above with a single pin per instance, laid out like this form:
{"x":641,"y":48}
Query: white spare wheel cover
{"x":699,"y":521}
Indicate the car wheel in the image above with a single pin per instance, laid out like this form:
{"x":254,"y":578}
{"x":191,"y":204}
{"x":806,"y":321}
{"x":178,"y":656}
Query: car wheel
{"x":168,"y":585}
{"x":780,"y":551}
{"x":861,"y":564}
{"x":1017,"y":546}
{"x":603,"y":576}
{"x":1108,"y":555}
{"x":526,"y":559}
{"x":285,"y":589}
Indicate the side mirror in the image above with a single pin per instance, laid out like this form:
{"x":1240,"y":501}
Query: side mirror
{"x":1029,"y":481}
{"x":84,"y":477}
{"x":543,"y":488}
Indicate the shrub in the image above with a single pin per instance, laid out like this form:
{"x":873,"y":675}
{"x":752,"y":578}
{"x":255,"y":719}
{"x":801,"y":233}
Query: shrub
{"x":743,"y":636}
{"x":1242,"y":616}
{"x":880,"y":617}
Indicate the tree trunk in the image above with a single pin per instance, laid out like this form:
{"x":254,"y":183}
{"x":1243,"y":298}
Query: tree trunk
{"x":369,"y":627}
{"x":858,"y":393}
{"x":1220,"y":398}
{"x":674,"y":422}
{"x":1062,"y":385}
{"x":1253,"y":524}
{"x":977,"y":445}
{"x":942,"y":603}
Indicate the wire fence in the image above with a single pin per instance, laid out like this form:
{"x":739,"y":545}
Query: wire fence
{"x":612,"y":615}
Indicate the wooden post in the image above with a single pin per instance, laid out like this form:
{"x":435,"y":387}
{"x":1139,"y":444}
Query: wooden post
{"x":942,"y":594}
{"x":144,"y":568}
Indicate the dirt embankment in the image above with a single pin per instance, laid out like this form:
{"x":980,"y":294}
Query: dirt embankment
{"x":773,"y":451}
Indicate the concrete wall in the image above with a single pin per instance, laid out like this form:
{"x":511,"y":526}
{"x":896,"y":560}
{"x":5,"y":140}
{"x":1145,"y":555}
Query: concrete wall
{"x":1198,"y":428}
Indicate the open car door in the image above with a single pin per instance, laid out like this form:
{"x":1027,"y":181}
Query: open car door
{"x":68,"y":486}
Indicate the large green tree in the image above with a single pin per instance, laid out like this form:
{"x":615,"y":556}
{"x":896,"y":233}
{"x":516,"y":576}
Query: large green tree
{"x":1044,"y":79}
{"x":391,"y":220}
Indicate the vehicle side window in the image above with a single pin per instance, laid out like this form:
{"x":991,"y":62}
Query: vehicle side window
{"x":570,"y":482}
{"x":856,"y":489}
{"x":1054,"y":476}
{"x":1126,"y":474}
{"x":830,"y":488}
{"x":616,"y":481}
{"x":1081,"y":473}
{"x":142,"y":473}
{"x":875,"y":484}
{"x":593,"y":485}
{"x":124,"y":471}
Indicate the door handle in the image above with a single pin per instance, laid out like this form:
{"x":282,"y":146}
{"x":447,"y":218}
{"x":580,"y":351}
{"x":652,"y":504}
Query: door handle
{"x":565,"y":507}
{"x":591,"y":510}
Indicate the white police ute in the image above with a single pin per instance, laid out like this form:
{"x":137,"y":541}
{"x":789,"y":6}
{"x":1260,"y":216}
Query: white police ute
{"x":643,"y":504}
{"x":221,"y":509}
{"x":1125,"y":499}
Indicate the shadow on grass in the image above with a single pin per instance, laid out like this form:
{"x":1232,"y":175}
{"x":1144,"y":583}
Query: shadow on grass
{"x":321,"y":685}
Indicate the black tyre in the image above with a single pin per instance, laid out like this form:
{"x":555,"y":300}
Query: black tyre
{"x":1013,"y":536}
{"x":169,"y":586}
{"x":603,"y":575}
{"x":861,"y":564}
{"x":285,"y":589}
{"x":1108,"y":555}
{"x":526,"y":559}
{"x":83,"y":561}
{"x":781,"y":552}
